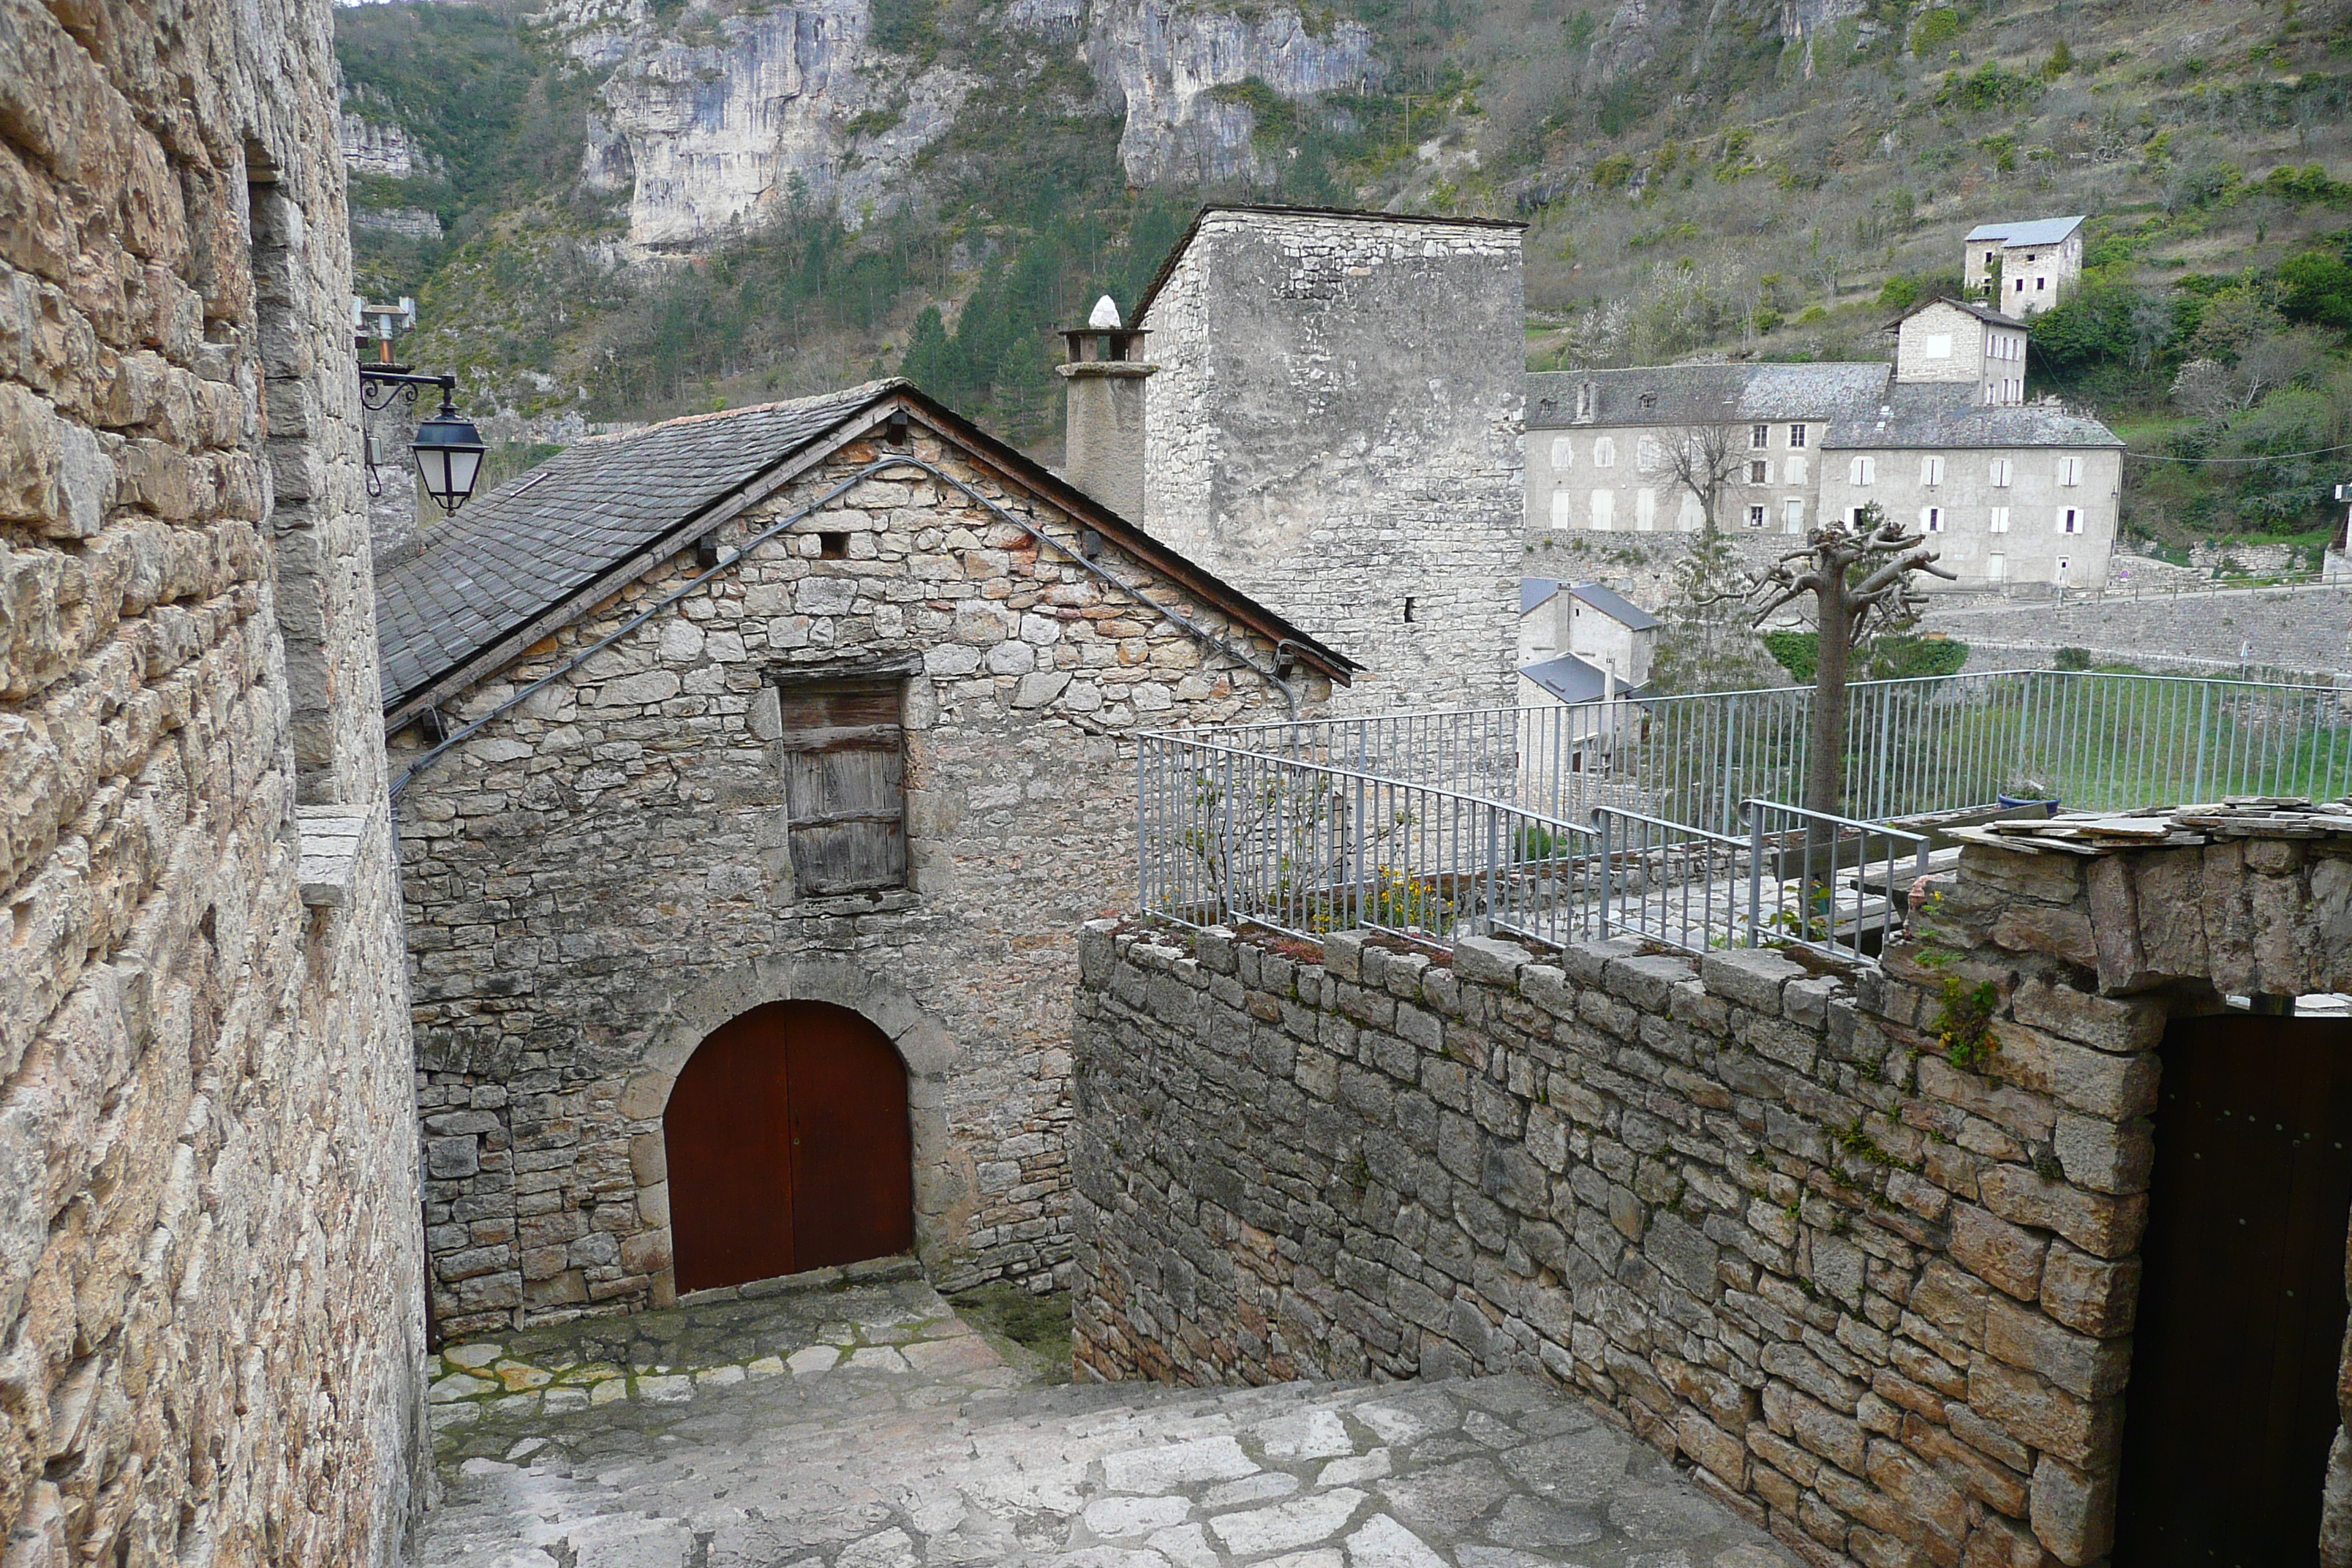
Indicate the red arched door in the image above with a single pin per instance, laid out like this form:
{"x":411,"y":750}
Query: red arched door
{"x":788,"y":1147}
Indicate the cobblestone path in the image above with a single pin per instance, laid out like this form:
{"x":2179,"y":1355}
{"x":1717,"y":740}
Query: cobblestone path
{"x":869,"y":1427}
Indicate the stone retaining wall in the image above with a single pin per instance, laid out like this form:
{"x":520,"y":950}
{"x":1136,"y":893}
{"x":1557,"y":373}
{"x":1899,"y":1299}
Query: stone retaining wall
{"x":1879,"y":1300}
{"x":211,"y":1320}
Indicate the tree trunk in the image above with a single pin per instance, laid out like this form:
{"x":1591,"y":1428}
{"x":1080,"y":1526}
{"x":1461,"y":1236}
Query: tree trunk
{"x":1825,"y":758}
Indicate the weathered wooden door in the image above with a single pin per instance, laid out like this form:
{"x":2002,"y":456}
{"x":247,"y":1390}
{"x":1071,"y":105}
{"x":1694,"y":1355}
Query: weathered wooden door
{"x":788,"y":1147}
{"x":2231,"y":1403}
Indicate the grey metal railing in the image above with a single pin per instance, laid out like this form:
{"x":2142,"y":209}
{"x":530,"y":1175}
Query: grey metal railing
{"x":1831,"y":883}
{"x":1641,"y":816}
{"x":2102,"y":740}
{"x":1231,"y":836}
{"x":1682,"y":886}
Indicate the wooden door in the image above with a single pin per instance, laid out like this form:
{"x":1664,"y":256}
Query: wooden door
{"x":788,"y":1147}
{"x":2231,"y":1403}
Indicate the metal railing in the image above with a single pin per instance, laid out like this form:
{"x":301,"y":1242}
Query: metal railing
{"x":1682,"y":886}
{"x":2100,"y":741}
{"x":1641,"y":816}
{"x":1830,"y":883}
{"x":1231,"y":836}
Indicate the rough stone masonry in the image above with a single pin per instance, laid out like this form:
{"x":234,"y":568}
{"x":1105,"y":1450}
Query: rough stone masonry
{"x":210,"y":1328}
{"x":1335,"y":428}
{"x":603,"y":875}
{"x":1881,"y":1302}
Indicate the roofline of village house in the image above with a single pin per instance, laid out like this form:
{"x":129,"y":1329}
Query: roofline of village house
{"x":1007,"y":463}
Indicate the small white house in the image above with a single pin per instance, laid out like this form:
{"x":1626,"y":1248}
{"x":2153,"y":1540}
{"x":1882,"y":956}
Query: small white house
{"x":2035,"y":262}
{"x":1596,"y":626}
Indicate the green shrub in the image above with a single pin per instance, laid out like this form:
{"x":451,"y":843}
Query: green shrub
{"x":1939,"y":25}
{"x":1988,"y":88}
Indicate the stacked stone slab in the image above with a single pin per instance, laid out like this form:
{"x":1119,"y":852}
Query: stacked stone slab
{"x":1881,"y":1302}
{"x":210,"y":1301}
{"x":600,"y":877}
{"x":1335,"y":428}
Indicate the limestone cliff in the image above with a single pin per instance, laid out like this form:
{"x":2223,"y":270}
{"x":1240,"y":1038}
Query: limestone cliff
{"x":713,"y":119}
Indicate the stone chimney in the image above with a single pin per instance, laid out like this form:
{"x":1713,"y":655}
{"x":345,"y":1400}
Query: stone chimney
{"x":1103,"y":449}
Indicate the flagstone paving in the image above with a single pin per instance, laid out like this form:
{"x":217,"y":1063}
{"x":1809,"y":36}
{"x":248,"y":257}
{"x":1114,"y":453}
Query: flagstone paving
{"x":869,"y":1427}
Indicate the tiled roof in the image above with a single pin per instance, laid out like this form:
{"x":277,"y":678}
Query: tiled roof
{"x":1706,"y":393}
{"x":1615,"y":605}
{"x":1534,"y":590}
{"x":1571,"y":680}
{"x":1946,"y":414}
{"x":1982,"y":312}
{"x":510,"y":556}
{"x":2027,"y":231}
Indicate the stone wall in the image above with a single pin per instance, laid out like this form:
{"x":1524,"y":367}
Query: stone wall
{"x":1880,"y":1301}
{"x":210,"y":1294}
{"x":1334,"y":430}
{"x":600,"y":877}
{"x":2289,"y":628}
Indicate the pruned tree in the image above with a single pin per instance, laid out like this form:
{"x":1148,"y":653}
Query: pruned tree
{"x":1698,"y":460}
{"x":1855,"y":574}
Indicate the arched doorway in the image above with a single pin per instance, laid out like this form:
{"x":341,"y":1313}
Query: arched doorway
{"x":788,"y":1147}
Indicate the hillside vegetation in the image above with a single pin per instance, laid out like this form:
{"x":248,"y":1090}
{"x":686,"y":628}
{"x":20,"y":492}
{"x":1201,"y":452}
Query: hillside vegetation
{"x":1740,"y":178}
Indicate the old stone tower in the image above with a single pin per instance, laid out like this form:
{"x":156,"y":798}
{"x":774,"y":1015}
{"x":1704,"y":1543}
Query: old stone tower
{"x":1335,"y":427}
{"x":209,"y":1262}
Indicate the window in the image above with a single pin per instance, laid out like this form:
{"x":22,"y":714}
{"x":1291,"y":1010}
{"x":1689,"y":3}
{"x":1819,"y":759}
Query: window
{"x":2070,"y":520}
{"x":1793,"y":516}
{"x":1759,"y":473}
{"x":1755,"y":517}
{"x":2065,"y":565}
{"x":832,"y":545}
{"x":1759,"y":436}
{"x":1645,"y":510}
{"x":1796,"y":436}
{"x":1647,"y":453}
{"x":1931,"y":470}
{"x":1408,"y":607}
{"x":1931,"y":519}
{"x":1998,"y":521}
{"x":1564,"y":514}
{"x":1563,"y":452}
{"x":1604,"y":453}
{"x":1996,"y":566}
{"x":1604,"y":506}
{"x":2040,"y":284}
{"x":1862,"y":471}
{"x":844,"y":785}
{"x":1792,"y":471}
{"x":2001,"y":473}
{"x":2021,"y":285}
{"x":1935,"y":345}
{"x":2070,"y":470}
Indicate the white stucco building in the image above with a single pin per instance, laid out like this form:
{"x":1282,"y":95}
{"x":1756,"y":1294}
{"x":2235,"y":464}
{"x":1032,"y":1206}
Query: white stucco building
{"x":2025,"y":494}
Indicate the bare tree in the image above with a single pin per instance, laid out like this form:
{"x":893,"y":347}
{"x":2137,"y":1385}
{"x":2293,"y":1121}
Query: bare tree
{"x":1856,"y":574}
{"x":1698,"y":459}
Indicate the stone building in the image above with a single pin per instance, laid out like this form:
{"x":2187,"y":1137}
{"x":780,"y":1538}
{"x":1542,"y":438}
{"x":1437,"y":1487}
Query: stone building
{"x":1942,"y":439}
{"x":1335,"y":427}
{"x":210,"y":1271}
{"x":2032,"y":263}
{"x":792,"y":735}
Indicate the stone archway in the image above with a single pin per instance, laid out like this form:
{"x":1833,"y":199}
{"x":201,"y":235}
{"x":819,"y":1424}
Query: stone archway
{"x":943,"y":1183}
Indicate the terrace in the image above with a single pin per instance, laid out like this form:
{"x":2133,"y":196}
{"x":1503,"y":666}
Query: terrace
{"x":1673,"y":819}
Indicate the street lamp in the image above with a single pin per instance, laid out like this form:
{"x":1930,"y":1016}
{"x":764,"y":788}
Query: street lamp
{"x":447,"y":448}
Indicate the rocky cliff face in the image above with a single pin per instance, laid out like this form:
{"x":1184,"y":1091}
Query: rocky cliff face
{"x":715,"y":119}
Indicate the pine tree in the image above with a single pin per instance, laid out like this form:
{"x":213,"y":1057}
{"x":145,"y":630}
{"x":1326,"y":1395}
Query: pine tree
{"x":1705,"y":642}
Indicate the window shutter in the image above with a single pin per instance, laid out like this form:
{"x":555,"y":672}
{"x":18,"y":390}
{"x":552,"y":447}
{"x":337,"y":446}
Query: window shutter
{"x":844,"y":785}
